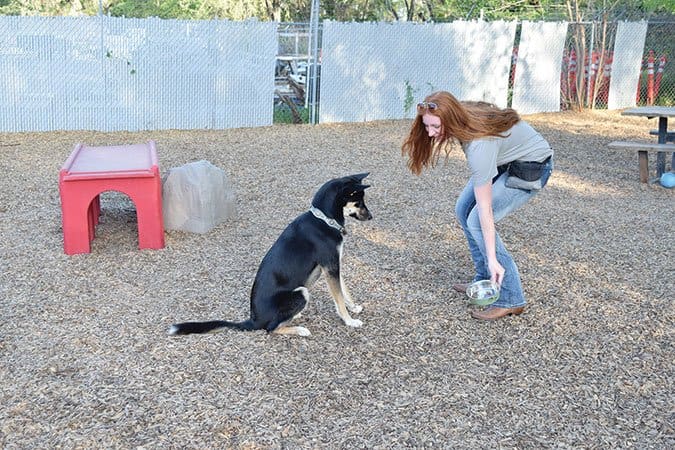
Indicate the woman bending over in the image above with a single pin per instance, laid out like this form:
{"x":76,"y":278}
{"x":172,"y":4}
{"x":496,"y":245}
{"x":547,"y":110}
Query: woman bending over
{"x":509,"y":163}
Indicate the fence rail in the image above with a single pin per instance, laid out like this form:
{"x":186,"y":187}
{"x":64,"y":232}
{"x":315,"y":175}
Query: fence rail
{"x":103,"y":73}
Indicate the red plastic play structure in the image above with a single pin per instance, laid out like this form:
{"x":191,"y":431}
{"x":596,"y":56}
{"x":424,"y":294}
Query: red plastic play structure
{"x":89,"y":171}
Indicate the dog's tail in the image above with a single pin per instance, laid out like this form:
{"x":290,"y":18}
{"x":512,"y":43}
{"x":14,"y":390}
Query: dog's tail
{"x":209,"y":327}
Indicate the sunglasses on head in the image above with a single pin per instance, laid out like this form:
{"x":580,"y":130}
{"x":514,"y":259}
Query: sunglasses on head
{"x":427,"y":105}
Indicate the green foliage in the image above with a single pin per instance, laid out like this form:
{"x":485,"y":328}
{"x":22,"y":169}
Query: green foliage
{"x":659,"y":6}
{"x":412,"y":95}
{"x":47,"y":7}
{"x":666,"y":95}
{"x":619,"y":10}
{"x":109,"y":54}
{"x":409,"y":99}
{"x":350,"y":10}
{"x":9,"y":8}
{"x":167,"y":9}
{"x":282,"y":114}
{"x":512,"y":10}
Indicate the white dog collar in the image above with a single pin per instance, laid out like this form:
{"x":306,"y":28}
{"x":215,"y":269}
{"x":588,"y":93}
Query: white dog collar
{"x":330,"y":222}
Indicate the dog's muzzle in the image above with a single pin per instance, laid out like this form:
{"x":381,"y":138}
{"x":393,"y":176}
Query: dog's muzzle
{"x":362,"y":214}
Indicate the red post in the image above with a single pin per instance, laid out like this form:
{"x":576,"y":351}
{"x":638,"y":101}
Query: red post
{"x":592,"y":73}
{"x":659,"y":75}
{"x":572,"y":75}
{"x":650,"y":78}
{"x":564,"y":88}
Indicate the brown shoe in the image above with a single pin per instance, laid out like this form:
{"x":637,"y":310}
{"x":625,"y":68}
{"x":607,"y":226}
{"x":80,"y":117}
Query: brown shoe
{"x":461,"y":287}
{"x":495,"y":312}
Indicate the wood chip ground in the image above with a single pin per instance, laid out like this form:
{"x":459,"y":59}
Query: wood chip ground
{"x":86,"y":362}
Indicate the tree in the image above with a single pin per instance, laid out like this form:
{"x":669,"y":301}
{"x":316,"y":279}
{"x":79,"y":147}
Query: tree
{"x":600,"y":14}
{"x":46,"y":7}
{"x":348,"y":10}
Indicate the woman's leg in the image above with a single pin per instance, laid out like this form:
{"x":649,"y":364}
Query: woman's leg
{"x":504,"y":201}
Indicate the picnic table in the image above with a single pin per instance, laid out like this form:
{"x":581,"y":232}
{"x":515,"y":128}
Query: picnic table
{"x":664,"y":144}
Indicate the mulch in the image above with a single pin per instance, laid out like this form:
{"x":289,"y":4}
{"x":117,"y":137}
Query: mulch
{"x":86,"y":362}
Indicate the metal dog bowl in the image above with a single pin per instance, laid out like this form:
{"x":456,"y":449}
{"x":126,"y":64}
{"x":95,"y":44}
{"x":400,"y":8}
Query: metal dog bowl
{"x":483,"y":292}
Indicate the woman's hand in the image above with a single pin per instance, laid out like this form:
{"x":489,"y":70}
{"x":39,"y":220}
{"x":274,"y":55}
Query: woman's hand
{"x":496,"y":271}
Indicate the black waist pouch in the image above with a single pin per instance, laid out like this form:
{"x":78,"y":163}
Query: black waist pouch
{"x":527,"y":170}
{"x":526,"y":174}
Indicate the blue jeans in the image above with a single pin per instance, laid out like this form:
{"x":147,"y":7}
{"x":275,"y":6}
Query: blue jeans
{"x":505,"y":200}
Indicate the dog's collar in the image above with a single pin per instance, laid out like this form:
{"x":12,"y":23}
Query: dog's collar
{"x":330,"y":222}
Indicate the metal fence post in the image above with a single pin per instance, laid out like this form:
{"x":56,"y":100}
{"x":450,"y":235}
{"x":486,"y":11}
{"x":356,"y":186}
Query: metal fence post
{"x":313,"y":75}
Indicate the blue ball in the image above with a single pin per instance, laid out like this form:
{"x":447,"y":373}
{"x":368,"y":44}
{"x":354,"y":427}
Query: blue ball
{"x":668,"y":179}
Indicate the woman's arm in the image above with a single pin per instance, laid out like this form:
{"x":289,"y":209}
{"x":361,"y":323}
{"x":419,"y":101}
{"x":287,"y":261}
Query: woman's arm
{"x":483,"y":195}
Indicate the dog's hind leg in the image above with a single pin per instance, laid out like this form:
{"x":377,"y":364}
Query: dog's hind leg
{"x":296,"y":330}
{"x":292,"y":306}
{"x":336,"y":285}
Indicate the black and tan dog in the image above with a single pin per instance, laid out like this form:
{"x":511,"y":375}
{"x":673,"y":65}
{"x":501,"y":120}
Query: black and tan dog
{"x":310,"y":245}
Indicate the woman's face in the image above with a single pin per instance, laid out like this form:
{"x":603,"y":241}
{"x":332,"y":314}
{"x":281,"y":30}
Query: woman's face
{"x":433,"y":125}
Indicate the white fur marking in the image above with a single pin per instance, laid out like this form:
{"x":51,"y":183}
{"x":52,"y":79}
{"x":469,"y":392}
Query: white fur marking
{"x":298,"y":331}
{"x":355,"y":308}
{"x":356,"y":323}
{"x":304,"y":291}
{"x":350,"y":208}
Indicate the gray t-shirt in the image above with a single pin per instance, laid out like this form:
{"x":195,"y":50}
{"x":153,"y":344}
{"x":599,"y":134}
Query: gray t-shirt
{"x":521,"y":142}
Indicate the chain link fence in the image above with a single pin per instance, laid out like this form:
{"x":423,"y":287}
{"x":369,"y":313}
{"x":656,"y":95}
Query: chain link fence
{"x":113,"y":73}
{"x":107,"y":73}
{"x":291,"y":86}
{"x":587,"y":66}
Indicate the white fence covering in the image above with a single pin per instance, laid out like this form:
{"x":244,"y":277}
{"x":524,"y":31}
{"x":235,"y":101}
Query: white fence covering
{"x":536,"y":86}
{"x":107,"y":74}
{"x":373,"y":71}
{"x":628,"y":48}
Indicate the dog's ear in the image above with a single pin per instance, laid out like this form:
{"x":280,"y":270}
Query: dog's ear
{"x":357,"y":179}
{"x":359,"y":176}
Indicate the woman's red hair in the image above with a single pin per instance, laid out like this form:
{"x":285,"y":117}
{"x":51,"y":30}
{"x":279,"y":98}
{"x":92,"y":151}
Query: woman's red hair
{"x":461,"y":122}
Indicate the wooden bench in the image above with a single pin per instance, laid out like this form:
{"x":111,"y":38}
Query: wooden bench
{"x":670,"y":135}
{"x":643,"y":149}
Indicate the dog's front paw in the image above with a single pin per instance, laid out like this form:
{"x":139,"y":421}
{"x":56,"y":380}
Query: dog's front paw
{"x":353,"y":323}
{"x":302,"y":331}
{"x":355,"y":308}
